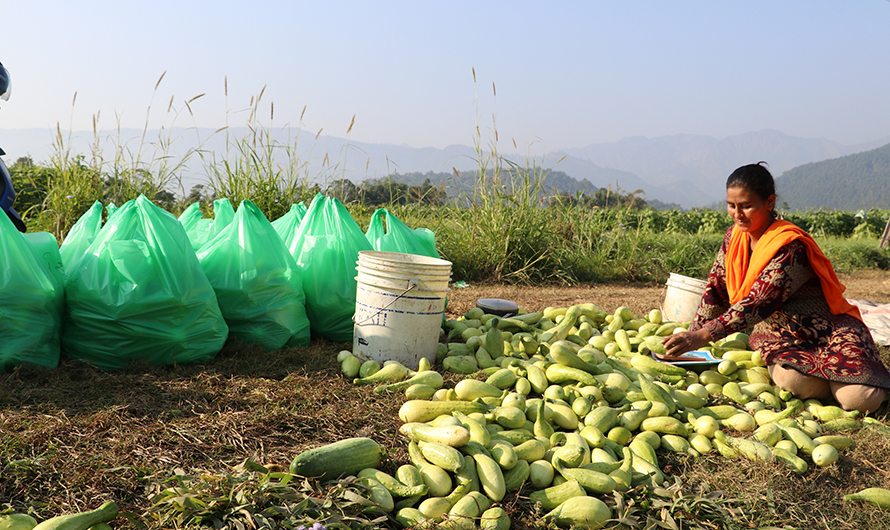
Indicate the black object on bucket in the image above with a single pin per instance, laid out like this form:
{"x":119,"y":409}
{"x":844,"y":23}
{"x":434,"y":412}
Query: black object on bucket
{"x":497,"y":306}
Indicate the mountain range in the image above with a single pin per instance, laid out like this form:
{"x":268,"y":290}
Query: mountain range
{"x":684,"y":169}
{"x":852,"y":182}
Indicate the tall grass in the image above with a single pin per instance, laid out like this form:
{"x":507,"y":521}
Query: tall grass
{"x":142,"y":166}
{"x":257,"y":167}
{"x":564,"y":245}
{"x":511,"y":235}
{"x":505,"y":229}
{"x":851,"y":254}
{"x":146,"y":166}
{"x":501,"y":230}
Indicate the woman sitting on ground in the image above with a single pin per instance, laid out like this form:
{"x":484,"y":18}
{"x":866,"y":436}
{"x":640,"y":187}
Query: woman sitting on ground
{"x":771,"y":275}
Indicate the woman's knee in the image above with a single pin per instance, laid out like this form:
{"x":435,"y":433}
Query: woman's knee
{"x":863,"y":398}
{"x":802,"y":386}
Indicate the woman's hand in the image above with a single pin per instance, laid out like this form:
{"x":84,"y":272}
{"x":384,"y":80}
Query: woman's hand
{"x":680,"y":343}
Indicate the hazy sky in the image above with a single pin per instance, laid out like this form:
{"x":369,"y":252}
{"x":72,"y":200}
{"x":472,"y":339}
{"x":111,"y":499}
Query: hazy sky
{"x":567,"y":74}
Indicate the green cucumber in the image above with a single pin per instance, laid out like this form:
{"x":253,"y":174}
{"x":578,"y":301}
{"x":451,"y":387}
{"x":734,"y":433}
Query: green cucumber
{"x":345,"y":457}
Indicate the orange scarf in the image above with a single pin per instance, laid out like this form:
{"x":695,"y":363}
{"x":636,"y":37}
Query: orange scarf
{"x":742,"y":269}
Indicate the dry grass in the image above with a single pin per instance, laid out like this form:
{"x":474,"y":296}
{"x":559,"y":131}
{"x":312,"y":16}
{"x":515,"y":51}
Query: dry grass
{"x":75,"y":436}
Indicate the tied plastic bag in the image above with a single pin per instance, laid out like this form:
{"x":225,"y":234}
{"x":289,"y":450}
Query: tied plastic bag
{"x":257,"y":282}
{"x":290,"y":222}
{"x":139,"y":293}
{"x":110,"y":209}
{"x":326,"y":247}
{"x":46,"y":252}
{"x":200,"y":230}
{"x":81,"y":235}
{"x":31,"y":297}
{"x":396,"y":236}
{"x":191,"y":217}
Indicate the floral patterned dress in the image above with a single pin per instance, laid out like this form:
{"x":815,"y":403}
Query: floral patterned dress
{"x":792,"y":324}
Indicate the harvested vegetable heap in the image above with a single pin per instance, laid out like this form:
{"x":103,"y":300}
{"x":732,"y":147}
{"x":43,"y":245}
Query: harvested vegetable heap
{"x":573,"y":404}
{"x":559,"y":417}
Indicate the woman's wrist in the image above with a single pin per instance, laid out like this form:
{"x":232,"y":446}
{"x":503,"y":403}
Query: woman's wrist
{"x":702,"y":337}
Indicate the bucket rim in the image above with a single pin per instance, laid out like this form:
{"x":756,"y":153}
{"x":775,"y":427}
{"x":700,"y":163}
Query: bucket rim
{"x":685,"y":279}
{"x":403,"y":258}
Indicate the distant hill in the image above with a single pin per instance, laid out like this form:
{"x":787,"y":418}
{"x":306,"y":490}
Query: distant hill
{"x":692,"y":169}
{"x":851,"y":182}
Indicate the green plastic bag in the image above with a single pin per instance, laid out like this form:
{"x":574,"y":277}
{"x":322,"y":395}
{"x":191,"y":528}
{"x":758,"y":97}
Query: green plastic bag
{"x":110,"y":209}
{"x":326,"y":247}
{"x":257,"y":282}
{"x":290,"y":222}
{"x":81,"y":235}
{"x":46,"y":252}
{"x":396,"y":236}
{"x":190,"y":217}
{"x":200,"y":230}
{"x":140,"y":294}
{"x":31,"y":298}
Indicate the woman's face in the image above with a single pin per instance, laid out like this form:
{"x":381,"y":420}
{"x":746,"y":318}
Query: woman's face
{"x":750,"y":212}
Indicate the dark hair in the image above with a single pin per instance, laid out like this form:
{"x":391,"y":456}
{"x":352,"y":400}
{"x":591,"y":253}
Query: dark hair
{"x":754,"y":178}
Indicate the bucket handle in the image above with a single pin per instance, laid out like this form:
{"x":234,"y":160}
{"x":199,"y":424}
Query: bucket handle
{"x":396,"y":299}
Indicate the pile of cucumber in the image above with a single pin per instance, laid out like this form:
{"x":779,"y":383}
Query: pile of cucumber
{"x":570,"y":403}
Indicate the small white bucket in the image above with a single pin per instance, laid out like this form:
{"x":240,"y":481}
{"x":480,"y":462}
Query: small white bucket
{"x":404,"y":263}
{"x":399,"y":304}
{"x":682,"y":298}
{"x":393,"y":280}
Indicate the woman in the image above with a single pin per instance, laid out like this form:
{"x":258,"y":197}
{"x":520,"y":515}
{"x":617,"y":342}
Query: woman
{"x":771,"y":275}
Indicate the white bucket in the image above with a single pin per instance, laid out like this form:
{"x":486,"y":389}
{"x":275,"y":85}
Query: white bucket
{"x":682,"y":298}
{"x":399,"y":304}
{"x":402,"y":281}
{"x":402,"y":263}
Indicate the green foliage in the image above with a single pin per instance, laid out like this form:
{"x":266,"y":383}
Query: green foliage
{"x":847,"y":255}
{"x":254,"y":497}
{"x":388,"y":191}
{"x":559,"y":188}
{"x":846,"y":183}
{"x":52,"y":198}
{"x":31,"y":183}
{"x":512,"y":232}
{"x":839,"y":223}
{"x":601,"y":198}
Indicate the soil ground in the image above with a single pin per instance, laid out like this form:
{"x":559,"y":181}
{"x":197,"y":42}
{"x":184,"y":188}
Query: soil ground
{"x":873,"y":286}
